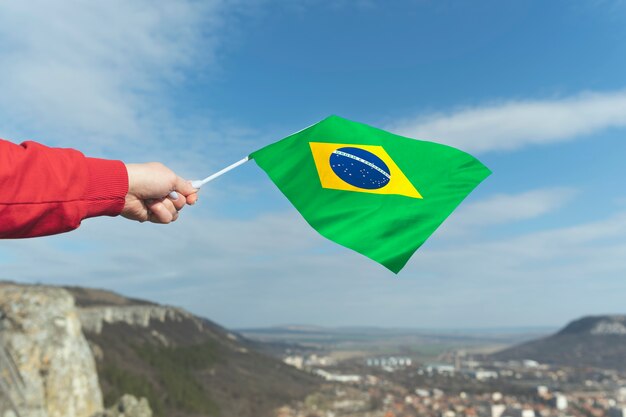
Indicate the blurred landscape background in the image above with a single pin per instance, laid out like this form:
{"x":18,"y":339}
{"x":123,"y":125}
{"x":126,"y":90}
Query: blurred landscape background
{"x":513,"y":308}
{"x":84,"y":352}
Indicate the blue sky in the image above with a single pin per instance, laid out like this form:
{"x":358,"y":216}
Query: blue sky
{"x":534,"y":89}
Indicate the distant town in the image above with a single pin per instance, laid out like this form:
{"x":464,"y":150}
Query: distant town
{"x":462,"y":386}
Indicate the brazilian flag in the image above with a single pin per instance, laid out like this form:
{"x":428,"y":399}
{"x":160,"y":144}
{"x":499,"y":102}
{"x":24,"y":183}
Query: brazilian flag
{"x":377,"y":193}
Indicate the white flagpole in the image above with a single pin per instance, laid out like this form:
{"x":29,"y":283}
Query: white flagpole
{"x":199,"y":183}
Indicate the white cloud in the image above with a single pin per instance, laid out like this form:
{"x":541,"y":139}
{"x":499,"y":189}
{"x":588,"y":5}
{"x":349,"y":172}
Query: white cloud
{"x":514,"y":124}
{"x":545,"y":277}
{"x":505,"y":208}
{"x":567,"y":258}
{"x":265,"y":269}
{"x":203,"y":262}
{"x":275,"y":268}
{"x":96,"y":73}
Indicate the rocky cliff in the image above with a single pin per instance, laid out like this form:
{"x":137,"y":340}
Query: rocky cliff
{"x":93,"y":318}
{"x":69,"y":352}
{"x":48,"y":370}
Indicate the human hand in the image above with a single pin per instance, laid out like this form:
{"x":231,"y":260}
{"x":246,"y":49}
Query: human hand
{"x":148,"y":187}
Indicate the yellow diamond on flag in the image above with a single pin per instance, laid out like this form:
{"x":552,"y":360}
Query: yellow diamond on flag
{"x":360,"y":168}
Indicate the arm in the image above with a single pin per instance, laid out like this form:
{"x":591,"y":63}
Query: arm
{"x":46,"y":190}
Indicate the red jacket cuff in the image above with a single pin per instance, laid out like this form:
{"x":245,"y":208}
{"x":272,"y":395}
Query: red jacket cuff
{"x":107,"y":186}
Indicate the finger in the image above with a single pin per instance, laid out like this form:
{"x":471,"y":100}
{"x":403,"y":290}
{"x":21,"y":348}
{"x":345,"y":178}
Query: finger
{"x":184,"y":187}
{"x":135,"y":209}
{"x":170,"y":206}
{"x":160,"y":213}
{"x":192,"y":198}
{"x":179,"y":202}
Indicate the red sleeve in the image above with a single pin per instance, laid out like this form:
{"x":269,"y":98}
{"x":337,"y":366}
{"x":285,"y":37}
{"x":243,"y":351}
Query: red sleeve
{"x":44,"y":190}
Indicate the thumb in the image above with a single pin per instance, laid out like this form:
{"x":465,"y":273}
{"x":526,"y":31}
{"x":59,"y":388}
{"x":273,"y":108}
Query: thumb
{"x":184,"y":187}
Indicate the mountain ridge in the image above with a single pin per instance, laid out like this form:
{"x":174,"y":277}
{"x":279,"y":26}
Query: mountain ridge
{"x":597,"y":324}
{"x":589,"y":341}
{"x":184,"y":364}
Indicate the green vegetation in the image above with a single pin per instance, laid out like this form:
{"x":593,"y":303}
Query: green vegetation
{"x":125,"y":382}
{"x":175,"y":367}
{"x":173,"y":371}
